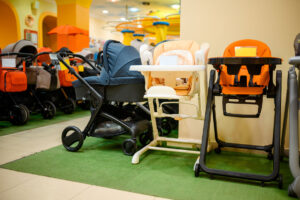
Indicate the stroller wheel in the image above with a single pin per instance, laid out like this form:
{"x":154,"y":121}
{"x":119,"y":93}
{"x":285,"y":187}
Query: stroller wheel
{"x":68,"y":106}
{"x":146,"y":137}
{"x":49,"y":110}
{"x":19,"y":114}
{"x":165,"y":127}
{"x":197,"y":170}
{"x":129,"y":147}
{"x":72,"y":138}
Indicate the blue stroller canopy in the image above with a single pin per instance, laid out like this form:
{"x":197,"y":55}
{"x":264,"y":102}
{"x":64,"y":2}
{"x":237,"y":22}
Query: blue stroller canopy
{"x":117,"y":59}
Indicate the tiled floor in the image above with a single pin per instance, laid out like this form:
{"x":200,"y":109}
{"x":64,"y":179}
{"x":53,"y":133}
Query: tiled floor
{"x":18,"y":185}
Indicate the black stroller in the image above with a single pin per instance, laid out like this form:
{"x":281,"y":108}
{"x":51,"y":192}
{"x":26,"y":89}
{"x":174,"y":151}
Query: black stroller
{"x":109,"y":94}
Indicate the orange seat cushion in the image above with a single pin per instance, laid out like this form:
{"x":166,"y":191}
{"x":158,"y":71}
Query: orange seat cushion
{"x":262,"y":80}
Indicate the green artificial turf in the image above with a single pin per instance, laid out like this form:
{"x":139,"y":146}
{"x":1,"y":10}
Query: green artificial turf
{"x":164,"y":174}
{"x":37,"y":120}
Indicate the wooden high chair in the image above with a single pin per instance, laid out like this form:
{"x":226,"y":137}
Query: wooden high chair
{"x":178,"y":73}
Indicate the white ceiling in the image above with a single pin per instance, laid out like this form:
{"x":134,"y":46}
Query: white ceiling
{"x":118,"y":9}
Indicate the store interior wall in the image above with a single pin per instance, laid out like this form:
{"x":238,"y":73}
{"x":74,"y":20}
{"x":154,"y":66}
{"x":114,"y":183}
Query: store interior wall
{"x":97,"y":31}
{"x":219,"y":22}
{"x":9,"y":24}
{"x":49,"y":22}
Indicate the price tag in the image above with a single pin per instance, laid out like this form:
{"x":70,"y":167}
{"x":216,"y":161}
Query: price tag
{"x":62,"y":66}
{"x":53,"y":56}
{"x":80,"y":68}
{"x":8,"y":62}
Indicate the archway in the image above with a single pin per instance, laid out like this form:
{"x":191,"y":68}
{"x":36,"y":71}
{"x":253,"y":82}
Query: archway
{"x":49,"y":22}
{"x":9,"y":25}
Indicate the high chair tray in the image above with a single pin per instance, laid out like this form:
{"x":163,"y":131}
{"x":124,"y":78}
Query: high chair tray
{"x":244,"y":61}
{"x":147,"y":68}
{"x":234,"y":64}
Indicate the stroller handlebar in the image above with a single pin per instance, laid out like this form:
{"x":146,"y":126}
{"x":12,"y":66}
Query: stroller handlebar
{"x":84,"y":59}
{"x":16,"y":54}
{"x":73,"y":72}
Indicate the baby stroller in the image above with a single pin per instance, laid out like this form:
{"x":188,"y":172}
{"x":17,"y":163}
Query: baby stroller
{"x":245,"y":75}
{"x":115,"y":86}
{"x":292,"y":107}
{"x":13,"y":81}
{"x":42,"y":80}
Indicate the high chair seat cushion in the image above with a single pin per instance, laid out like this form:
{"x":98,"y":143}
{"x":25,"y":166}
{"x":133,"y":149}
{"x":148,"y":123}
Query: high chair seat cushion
{"x":184,"y":51}
{"x":261,"y":80}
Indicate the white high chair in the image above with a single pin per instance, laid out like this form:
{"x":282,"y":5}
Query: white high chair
{"x":179,"y":74}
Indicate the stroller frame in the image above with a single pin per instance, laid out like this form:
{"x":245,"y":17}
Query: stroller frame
{"x":129,"y":145}
{"x":271,"y":91}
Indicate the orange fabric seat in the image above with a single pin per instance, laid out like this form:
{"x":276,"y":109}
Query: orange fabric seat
{"x":166,"y":49}
{"x":261,"y":80}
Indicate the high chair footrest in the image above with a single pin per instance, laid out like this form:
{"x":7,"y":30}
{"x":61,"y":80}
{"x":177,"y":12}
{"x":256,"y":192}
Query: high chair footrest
{"x":242,"y":99}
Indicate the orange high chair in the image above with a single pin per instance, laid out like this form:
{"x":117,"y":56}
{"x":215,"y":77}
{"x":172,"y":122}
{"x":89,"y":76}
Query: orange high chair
{"x":178,"y":73}
{"x":245,"y":75}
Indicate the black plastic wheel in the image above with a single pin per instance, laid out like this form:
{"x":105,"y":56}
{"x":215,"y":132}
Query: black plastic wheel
{"x":129,"y":147}
{"x":165,"y":127}
{"x":197,"y":170}
{"x":49,"y":110}
{"x":218,"y":150}
{"x":270,"y":156}
{"x":68,"y":106}
{"x":19,"y":114}
{"x":72,"y":138}
{"x":280,"y":181}
{"x":146,"y":137}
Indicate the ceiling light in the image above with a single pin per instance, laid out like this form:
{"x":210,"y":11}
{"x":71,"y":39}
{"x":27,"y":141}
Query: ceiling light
{"x":139,"y":26}
{"x":104,"y":11}
{"x":123,"y":19}
{"x":175,"y":6}
{"x":134,"y":9}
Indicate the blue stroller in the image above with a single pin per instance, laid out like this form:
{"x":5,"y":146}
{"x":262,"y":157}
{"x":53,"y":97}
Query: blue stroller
{"x":110,"y":94}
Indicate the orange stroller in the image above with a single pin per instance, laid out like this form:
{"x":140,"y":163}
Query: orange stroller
{"x":13,"y":81}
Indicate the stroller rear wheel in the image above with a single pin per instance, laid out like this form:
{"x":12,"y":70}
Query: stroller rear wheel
{"x":68,"y":106}
{"x":19,"y":114}
{"x":49,"y":110}
{"x":165,"y":127}
{"x":72,"y":138}
{"x":129,"y":147}
{"x":146,"y":137}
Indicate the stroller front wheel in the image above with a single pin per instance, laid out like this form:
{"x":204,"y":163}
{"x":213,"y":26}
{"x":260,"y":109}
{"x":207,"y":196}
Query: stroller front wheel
{"x":49,"y":110}
{"x":72,"y":138}
{"x":129,"y":147}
